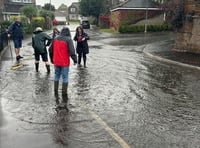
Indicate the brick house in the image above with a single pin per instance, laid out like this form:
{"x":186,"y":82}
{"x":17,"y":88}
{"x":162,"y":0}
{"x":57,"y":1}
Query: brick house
{"x":12,"y":7}
{"x":132,"y":11}
{"x":73,"y":11}
{"x":188,"y":36}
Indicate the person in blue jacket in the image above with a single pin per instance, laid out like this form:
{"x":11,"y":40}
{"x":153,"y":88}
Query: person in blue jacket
{"x":15,"y":30}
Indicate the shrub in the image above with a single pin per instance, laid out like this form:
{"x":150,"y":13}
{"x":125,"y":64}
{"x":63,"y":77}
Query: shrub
{"x":4,"y":25}
{"x":38,"y":22}
{"x":141,"y":28}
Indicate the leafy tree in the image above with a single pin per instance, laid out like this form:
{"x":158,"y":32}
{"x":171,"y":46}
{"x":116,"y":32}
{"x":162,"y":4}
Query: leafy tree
{"x":49,"y":7}
{"x":46,"y":13}
{"x":29,"y":11}
{"x":62,"y":7}
{"x":93,"y":8}
{"x":174,"y":10}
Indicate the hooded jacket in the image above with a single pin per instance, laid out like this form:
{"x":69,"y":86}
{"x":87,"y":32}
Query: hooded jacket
{"x":39,"y":41}
{"x":62,"y":49}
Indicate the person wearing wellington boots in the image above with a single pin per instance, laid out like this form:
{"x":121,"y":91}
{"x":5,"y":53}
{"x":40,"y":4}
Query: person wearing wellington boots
{"x":39,"y":42}
{"x":82,"y":45}
{"x":60,"y":51}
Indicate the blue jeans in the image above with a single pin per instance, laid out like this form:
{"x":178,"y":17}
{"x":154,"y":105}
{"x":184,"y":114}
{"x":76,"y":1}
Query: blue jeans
{"x":64,"y":71}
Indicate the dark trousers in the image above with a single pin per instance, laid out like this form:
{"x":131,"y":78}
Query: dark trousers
{"x":80,"y":55}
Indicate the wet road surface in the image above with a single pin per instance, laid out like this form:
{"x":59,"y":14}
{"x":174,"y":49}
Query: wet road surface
{"x":123,"y":99}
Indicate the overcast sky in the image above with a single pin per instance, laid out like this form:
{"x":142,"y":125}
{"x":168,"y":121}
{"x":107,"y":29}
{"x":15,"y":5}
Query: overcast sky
{"x":56,"y":3}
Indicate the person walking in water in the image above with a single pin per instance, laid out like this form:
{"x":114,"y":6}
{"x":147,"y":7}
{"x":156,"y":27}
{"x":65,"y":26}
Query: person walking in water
{"x":82,"y":45}
{"x":15,"y":30}
{"x":39,"y":42}
{"x":60,"y":51}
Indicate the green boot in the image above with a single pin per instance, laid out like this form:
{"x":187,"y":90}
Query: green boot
{"x":64,"y":92}
{"x":56,"y":84}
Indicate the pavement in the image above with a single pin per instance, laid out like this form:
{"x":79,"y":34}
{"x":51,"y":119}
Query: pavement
{"x":177,"y":57}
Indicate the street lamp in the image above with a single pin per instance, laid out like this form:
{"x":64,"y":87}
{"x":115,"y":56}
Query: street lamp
{"x":145,"y":28}
{"x":146,"y":14}
{"x":50,"y":5}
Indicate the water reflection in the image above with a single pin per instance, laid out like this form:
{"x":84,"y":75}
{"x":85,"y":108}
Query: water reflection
{"x":82,"y":83}
{"x":1,"y":113}
{"x":42,"y":84}
{"x":60,"y":128}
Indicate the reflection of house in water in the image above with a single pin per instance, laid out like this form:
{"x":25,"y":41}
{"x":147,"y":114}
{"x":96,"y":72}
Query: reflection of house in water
{"x":12,"y":7}
{"x":73,"y":11}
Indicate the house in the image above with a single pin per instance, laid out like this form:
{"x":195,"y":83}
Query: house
{"x":113,"y":3}
{"x":12,"y":7}
{"x":132,"y":11}
{"x":61,"y":17}
{"x":73,"y":11}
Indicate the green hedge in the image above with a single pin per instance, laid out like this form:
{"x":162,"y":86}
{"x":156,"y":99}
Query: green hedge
{"x":4,"y":25}
{"x":141,"y":28}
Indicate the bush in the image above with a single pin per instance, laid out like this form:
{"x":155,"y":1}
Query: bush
{"x":4,"y":25}
{"x":38,"y":22}
{"x":141,"y":28}
{"x":28,"y":29}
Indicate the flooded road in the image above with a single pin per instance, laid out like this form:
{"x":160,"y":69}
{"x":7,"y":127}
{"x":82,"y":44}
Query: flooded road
{"x":123,"y":99}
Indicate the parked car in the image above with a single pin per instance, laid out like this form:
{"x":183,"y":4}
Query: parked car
{"x":85,"y":24}
{"x":55,"y":22}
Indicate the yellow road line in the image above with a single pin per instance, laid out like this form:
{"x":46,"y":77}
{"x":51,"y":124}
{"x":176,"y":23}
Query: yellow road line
{"x":21,"y":64}
{"x":109,"y":130}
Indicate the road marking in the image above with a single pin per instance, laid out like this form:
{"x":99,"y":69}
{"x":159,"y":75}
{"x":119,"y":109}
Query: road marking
{"x":109,"y":130}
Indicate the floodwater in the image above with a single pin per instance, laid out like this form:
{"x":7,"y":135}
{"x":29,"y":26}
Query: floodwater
{"x":123,"y":99}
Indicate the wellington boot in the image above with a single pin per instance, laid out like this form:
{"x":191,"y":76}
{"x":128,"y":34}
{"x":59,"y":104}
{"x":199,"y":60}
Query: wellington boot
{"x":48,"y":68}
{"x":36,"y":67}
{"x":56,"y":84}
{"x":84,"y":60}
{"x":57,"y":98}
{"x":64,"y":92}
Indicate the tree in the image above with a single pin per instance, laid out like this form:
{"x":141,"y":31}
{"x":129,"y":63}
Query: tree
{"x":93,"y":8}
{"x":46,"y":13}
{"x":29,"y":11}
{"x":62,"y":7}
{"x":49,"y":7}
{"x":174,"y":10}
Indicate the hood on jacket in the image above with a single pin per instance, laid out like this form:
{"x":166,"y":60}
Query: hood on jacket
{"x":38,"y":30}
{"x":65,"y":32}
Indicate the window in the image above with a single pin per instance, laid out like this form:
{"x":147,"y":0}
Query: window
{"x":73,"y":10}
{"x":24,"y":1}
{"x":17,"y":1}
{"x":27,"y":1}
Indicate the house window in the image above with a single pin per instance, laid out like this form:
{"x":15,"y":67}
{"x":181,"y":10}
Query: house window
{"x":27,"y":1}
{"x":24,"y":1}
{"x":73,"y":10}
{"x":17,"y":1}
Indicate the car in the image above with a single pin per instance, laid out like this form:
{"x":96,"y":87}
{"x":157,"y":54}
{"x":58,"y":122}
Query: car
{"x":85,"y":24}
{"x":55,"y":22}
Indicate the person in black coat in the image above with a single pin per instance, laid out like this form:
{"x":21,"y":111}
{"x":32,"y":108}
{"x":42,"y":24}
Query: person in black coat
{"x":82,"y":45}
{"x":56,"y":32}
